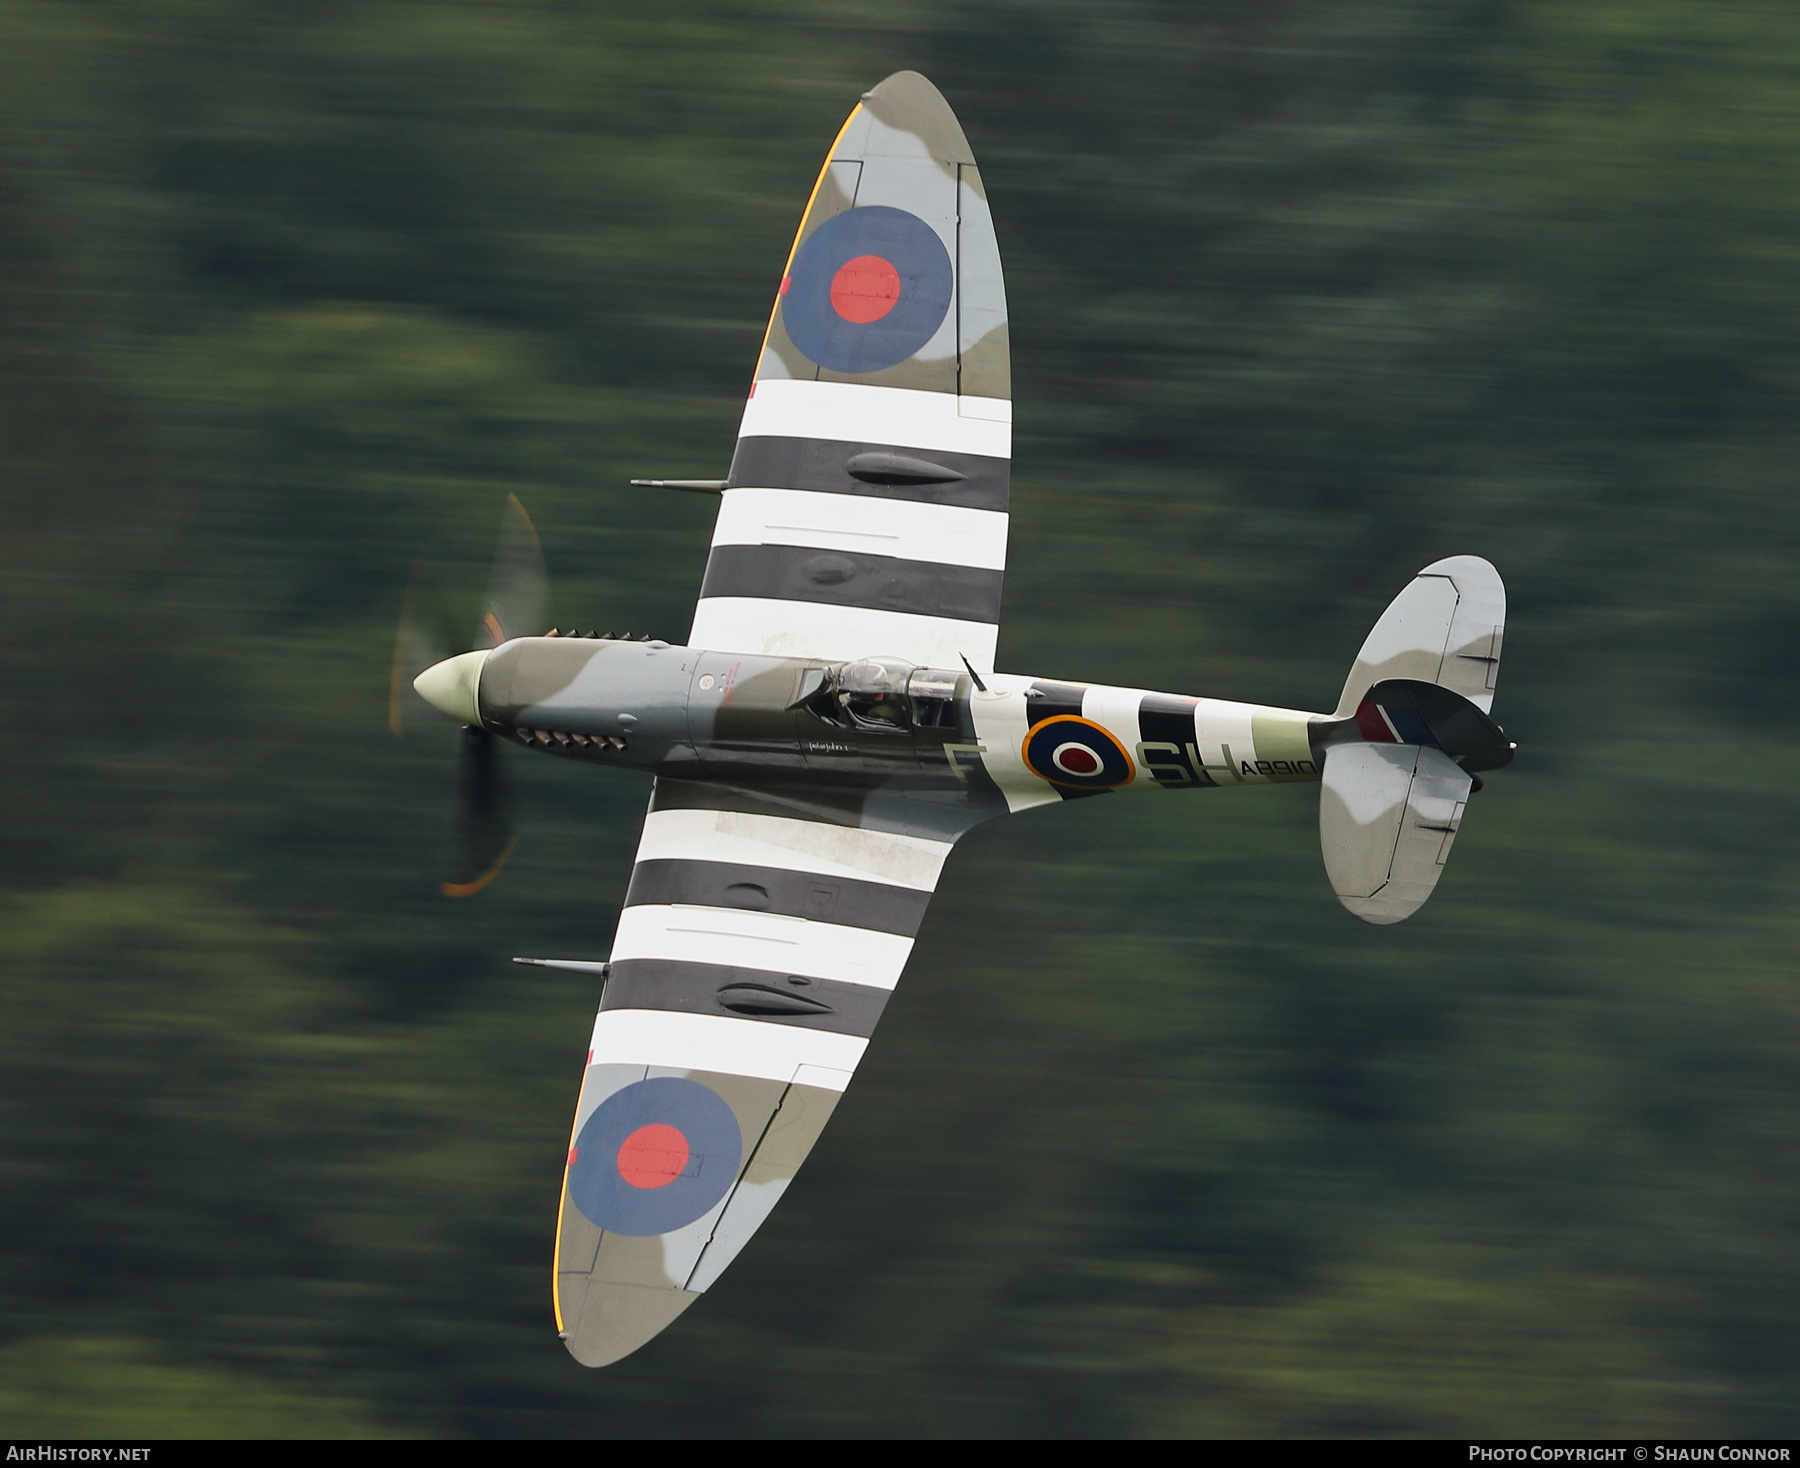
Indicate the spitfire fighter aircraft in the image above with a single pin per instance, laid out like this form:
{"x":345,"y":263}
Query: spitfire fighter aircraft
{"x":834,"y":723}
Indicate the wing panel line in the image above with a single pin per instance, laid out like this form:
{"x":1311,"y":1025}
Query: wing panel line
{"x":847,"y":578}
{"x":708,"y":989}
{"x":793,"y":845}
{"x":821,"y":466}
{"x":727,"y":1046}
{"x":907,"y":417}
{"x":804,"y":629}
{"x":792,"y":945}
{"x":849,"y":902}
{"x":949,"y":535}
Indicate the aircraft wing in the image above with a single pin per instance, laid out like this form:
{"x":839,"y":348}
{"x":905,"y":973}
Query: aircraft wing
{"x":865,"y":513}
{"x":758,"y":945}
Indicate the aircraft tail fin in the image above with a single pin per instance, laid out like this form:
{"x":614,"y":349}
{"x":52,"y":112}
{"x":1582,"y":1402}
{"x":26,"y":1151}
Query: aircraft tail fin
{"x":1413,"y":735}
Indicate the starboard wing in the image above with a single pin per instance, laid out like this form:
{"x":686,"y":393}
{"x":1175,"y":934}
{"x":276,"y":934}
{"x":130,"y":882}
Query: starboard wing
{"x":759,"y":942}
{"x":865,"y":512}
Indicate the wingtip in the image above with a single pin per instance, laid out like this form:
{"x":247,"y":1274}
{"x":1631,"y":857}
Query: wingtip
{"x":604,"y":1322}
{"x":909,"y":102}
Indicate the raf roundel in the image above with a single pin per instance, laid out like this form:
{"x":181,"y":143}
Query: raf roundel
{"x":867,"y":289}
{"x":654,"y":1157}
{"x":1077,"y":753}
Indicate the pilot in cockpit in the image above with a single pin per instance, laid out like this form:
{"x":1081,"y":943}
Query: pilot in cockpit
{"x":872,"y":692}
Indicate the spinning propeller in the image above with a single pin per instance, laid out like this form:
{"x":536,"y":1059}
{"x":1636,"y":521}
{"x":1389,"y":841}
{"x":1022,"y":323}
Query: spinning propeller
{"x":517,"y":597}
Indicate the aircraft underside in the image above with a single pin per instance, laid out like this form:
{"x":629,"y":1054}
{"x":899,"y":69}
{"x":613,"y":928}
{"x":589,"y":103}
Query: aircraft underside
{"x":835,"y":723}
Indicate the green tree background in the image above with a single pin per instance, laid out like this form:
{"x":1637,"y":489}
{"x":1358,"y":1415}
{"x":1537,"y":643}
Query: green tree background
{"x":1155,"y":1140}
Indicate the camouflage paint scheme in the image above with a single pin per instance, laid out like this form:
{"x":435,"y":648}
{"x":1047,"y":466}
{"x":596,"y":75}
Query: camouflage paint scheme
{"x":835,"y":724}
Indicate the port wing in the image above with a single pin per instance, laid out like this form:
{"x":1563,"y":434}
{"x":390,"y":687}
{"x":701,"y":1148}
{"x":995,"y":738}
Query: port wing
{"x":866,"y":510}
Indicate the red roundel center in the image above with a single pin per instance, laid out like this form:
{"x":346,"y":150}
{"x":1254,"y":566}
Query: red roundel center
{"x":1076,"y":759}
{"x":865,"y":289}
{"x":653,"y":1156}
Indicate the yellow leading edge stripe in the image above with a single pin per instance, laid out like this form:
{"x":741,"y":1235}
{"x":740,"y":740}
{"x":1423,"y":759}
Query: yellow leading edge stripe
{"x":794,"y":249}
{"x":556,"y":1254}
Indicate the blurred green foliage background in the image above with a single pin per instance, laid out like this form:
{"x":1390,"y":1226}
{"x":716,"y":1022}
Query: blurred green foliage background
{"x":1155,"y":1140}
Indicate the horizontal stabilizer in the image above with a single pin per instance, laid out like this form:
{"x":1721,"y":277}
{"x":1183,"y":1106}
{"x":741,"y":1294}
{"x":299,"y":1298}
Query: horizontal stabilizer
{"x":1388,"y":814}
{"x":1445,"y":628}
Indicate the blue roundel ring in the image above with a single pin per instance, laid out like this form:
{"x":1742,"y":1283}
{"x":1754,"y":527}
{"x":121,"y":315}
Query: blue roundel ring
{"x":715,"y":1147}
{"x":1077,"y":753}
{"x":903,"y":241}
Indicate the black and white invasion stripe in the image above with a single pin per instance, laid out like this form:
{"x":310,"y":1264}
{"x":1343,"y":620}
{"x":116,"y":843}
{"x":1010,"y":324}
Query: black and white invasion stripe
{"x":812,"y":558}
{"x":771,"y":921}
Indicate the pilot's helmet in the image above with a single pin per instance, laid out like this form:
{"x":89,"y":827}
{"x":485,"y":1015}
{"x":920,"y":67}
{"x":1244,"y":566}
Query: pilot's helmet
{"x":873,"y":691}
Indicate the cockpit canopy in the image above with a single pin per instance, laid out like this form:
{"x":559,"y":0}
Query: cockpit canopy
{"x":884,"y":695}
{"x":872,"y":691}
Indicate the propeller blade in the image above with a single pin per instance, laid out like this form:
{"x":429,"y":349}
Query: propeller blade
{"x":517,"y":600}
{"x":414,"y":652}
{"x":518,"y":597}
{"x":484,"y":834}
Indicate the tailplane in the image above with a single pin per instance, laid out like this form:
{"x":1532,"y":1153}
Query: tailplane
{"x":1411,"y":738}
{"x":1445,"y":628}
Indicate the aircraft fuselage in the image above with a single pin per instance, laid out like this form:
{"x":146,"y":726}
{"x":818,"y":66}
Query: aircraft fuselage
{"x":690,"y":714}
